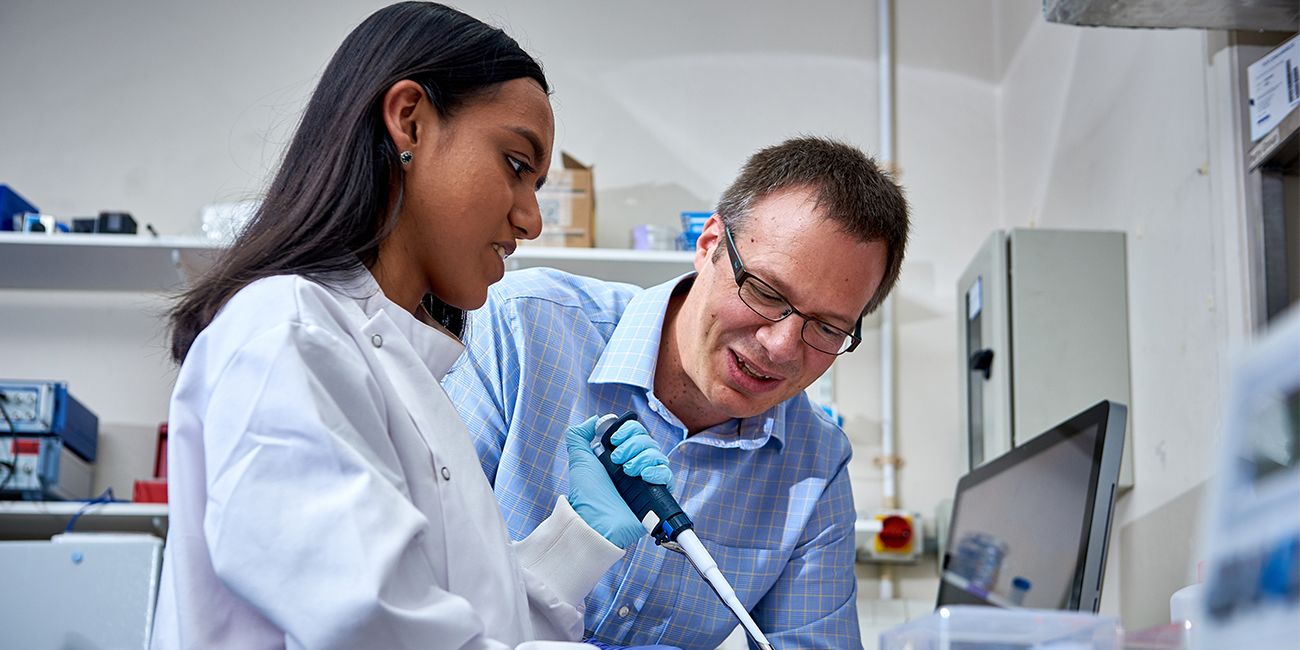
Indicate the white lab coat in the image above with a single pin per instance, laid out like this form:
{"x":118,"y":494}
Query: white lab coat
{"x":325,"y":494}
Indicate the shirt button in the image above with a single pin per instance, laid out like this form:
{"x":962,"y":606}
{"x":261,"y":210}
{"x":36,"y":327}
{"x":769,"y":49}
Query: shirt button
{"x":377,"y":341}
{"x":446,"y":474}
{"x":624,"y":611}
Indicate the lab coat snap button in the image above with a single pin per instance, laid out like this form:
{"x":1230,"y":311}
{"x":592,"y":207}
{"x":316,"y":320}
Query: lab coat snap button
{"x":624,"y":611}
{"x":446,"y":474}
{"x":377,"y":341}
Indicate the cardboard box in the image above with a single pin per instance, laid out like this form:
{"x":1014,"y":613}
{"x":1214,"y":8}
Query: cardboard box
{"x":568,"y":206}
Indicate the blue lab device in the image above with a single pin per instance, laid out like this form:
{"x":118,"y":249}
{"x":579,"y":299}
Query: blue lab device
{"x":12,"y":205}
{"x":40,"y":468}
{"x":46,"y":408}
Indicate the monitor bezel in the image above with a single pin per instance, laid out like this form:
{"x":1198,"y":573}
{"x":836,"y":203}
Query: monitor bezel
{"x":1090,"y":565}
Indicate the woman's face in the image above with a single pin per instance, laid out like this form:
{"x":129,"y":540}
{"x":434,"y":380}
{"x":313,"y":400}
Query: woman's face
{"x":470,"y":192}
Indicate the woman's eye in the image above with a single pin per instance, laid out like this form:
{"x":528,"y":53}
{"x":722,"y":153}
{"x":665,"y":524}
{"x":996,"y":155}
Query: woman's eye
{"x":518,"y":166}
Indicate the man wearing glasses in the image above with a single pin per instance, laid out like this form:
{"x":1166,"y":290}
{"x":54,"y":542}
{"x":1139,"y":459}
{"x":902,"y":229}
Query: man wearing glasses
{"x":806,"y":242}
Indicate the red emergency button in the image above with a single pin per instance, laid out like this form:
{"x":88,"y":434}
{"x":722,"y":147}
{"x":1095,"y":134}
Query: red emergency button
{"x":895,"y":532}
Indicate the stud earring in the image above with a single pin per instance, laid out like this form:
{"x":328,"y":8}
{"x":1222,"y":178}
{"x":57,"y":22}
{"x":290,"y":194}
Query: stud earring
{"x":405,"y":157}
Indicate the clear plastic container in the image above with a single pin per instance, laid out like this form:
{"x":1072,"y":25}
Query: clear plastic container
{"x":971,"y":627}
{"x":651,"y":237}
{"x":978,"y":559}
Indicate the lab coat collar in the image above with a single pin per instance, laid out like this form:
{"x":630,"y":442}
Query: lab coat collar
{"x":432,"y":343}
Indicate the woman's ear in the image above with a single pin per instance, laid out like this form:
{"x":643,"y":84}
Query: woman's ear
{"x":403,"y":104}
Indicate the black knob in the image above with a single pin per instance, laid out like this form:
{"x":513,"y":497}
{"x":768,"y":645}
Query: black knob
{"x":982,"y":361}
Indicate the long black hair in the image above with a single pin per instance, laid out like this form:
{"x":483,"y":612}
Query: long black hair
{"x":328,"y":206}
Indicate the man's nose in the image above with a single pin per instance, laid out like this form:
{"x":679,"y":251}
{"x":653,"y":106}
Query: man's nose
{"x":783,"y":339}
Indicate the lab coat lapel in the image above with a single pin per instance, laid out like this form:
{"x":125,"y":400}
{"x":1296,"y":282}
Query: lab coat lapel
{"x":413,"y":382}
{"x":469,"y":509}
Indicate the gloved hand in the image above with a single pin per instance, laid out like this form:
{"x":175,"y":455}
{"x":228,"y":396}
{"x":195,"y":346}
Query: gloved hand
{"x":592,"y":493}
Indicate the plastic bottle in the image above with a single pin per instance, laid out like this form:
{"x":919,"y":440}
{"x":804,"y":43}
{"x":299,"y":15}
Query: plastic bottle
{"x":1186,"y":605}
{"x":1019,"y":589}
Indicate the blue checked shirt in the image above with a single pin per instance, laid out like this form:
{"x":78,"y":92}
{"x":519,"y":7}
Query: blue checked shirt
{"x":769,"y":494}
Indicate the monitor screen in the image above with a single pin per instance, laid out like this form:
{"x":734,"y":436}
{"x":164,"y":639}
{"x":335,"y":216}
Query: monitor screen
{"x":1029,"y":528}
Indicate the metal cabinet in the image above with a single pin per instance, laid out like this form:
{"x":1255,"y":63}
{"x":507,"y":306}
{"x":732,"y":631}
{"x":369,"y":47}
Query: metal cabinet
{"x":1043,"y":335}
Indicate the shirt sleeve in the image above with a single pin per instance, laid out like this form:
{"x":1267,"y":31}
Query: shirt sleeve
{"x":304,"y":519}
{"x":563,"y":557}
{"x":813,"y":603}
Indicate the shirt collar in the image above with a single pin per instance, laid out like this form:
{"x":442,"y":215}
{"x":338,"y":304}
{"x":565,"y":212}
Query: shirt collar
{"x":432,"y":343}
{"x":752,"y":432}
{"x":632,"y":353}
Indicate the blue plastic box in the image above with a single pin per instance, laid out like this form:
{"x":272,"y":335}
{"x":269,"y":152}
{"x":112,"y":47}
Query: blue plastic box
{"x":12,"y":205}
{"x":692,"y":227}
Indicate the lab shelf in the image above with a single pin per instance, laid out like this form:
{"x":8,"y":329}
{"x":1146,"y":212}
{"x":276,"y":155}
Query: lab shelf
{"x":643,"y":268}
{"x":90,"y":262}
{"x":43,"y":519}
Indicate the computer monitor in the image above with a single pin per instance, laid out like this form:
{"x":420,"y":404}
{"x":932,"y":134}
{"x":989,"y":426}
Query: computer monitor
{"x":1030,"y":528}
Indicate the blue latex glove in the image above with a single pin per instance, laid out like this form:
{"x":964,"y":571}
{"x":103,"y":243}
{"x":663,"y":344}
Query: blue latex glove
{"x":592,"y":493}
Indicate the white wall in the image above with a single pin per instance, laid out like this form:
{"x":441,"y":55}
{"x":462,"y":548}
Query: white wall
{"x":160,"y":108}
{"x":1129,"y":151}
{"x":947,"y":73}
{"x":1114,"y":129}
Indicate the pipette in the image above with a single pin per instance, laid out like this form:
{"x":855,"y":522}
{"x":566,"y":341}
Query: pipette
{"x":655,"y":506}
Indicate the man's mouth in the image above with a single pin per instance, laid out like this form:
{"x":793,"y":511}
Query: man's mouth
{"x":749,"y":370}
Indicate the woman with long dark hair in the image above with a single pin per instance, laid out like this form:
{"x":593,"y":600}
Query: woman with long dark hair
{"x":324,"y":492}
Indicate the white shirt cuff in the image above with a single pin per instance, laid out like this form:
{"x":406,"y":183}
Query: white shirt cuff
{"x":549,"y":553}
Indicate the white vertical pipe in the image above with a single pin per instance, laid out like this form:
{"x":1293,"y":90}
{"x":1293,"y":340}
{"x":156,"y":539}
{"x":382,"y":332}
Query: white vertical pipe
{"x":889,"y":488}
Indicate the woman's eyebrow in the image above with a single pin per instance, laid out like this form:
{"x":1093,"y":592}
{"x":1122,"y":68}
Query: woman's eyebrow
{"x":532,"y":138}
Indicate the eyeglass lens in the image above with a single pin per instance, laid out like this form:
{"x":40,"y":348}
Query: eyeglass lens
{"x":769,"y":304}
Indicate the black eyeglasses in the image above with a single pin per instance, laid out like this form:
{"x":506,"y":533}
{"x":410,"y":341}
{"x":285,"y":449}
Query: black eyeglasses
{"x":770,"y":304}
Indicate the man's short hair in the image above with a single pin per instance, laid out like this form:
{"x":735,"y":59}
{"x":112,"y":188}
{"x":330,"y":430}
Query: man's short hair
{"x":849,"y":187}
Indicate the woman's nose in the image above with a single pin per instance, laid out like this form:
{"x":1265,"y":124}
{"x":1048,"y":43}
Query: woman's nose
{"x":526,"y":217}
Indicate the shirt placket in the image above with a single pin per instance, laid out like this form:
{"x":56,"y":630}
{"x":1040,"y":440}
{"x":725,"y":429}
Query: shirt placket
{"x":645,"y":566}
